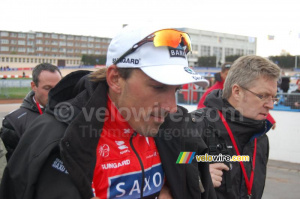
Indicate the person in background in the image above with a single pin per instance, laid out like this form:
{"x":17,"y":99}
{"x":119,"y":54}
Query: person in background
{"x":189,"y":95}
{"x":44,"y":77}
{"x":99,"y":134}
{"x":294,"y":100}
{"x":235,"y":120}
{"x":219,"y":82}
{"x":220,"y":79}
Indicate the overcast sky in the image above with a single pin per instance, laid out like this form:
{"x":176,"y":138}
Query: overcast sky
{"x":256,"y":18}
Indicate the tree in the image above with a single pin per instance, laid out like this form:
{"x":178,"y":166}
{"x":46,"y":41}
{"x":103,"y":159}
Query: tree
{"x":93,"y":59}
{"x":286,"y":61}
{"x":232,"y":58}
{"x":208,"y":61}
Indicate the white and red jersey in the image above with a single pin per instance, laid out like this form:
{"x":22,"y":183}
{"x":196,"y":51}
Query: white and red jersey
{"x":127,"y":163}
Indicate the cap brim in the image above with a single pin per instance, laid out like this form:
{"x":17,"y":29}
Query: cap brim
{"x":174,"y":75}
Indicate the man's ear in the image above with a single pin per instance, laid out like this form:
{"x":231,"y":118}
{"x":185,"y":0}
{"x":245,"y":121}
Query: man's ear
{"x":33,"y":86}
{"x":236,"y":92}
{"x":113,"y":79}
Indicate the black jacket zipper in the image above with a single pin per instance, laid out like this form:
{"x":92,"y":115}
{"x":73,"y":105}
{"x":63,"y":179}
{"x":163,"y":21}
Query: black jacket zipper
{"x":141,"y":163}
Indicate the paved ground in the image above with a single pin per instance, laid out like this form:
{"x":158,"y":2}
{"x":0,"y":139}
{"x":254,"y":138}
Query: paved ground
{"x":283,"y":178}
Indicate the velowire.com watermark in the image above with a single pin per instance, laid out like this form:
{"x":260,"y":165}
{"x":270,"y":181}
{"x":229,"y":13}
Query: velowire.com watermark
{"x":187,"y":157}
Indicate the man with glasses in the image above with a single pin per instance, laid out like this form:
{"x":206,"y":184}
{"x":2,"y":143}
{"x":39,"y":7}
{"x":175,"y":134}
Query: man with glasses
{"x":97,"y":137}
{"x":235,"y":123}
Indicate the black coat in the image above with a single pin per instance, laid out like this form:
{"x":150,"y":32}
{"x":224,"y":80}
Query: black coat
{"x":58,"y":137}
{"x":15,"y":123}
{"x":244,"y":131}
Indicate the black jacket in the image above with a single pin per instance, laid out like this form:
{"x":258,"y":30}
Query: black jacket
{"x":57,"y":139}
{"x":15,"y":123}
{"x":244,"y":131}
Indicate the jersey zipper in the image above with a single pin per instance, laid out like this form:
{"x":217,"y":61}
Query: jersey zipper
{"x":141,"y":163}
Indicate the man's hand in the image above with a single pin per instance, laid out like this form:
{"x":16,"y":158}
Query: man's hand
{"x":165,"y":193}
{"x":216,"y":173}
{"x":274,"y":126}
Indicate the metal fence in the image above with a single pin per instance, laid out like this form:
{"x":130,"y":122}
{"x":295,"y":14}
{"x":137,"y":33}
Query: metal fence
{"x":287,"y":101}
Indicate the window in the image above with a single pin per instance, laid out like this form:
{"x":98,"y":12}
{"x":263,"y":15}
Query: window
{"x":30,"y":50}
{"x":83,"y":38}
{"x":30,"y":36}
{"x":217,"y":51}
{"x":54,"y":43}
{"x":47,"y":35}
{"x":13,"y":49}
{"x":97,"y":40}
{"x":39,"y":34}
{"x":21,"y":42}
{"x":83,"y":45}
{"x":4,"y":48}
{"x":62,"y":50}
{"x":4,"y":41}
{"x":62,"y":36}
{"x":13,"y":42}
{"x":97,"y":52}
{"x":21,"y":49}
{"x":62,"y":43}
{"x":54,"y":49}
{"x":83,"y":51}
{"x":77,"y":44}
{"x":39,"y":48}
{"x":21,"y":35}
{"x":228,"y":51}
{"x":11,"y":59}
{"x":7,"y":59}
{"x":39,"y":41}
{"x":77,"y":38}
{"x":240,"y":51}
{"x":4,"y":34}
{"x":205,"y":50}
{"x":16,"y":59}
{"x":54,"y":36}
{"x":90,"y":52}
{"x":90,"y":45}
{"x":250,"y":52}
{"x":27,"y":60}
{"x":31,"y":60}
{"x":70,"y":44}
{"x":70,"y":37}
{"x":91,"y":39}
{"x":30,"y":43}
{"x":70,"y":50}
{"x":13,"y":34}
{"x":97,"y":46}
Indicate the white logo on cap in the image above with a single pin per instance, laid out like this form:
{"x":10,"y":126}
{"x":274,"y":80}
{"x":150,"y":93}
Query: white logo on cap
{"x":188,"y":70}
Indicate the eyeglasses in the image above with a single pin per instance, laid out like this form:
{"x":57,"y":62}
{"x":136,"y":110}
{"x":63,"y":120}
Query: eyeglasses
{"x":264,"y":98}
{"x":166,"y":37}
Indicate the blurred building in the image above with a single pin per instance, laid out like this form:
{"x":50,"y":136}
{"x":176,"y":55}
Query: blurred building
{"x":208,"y":43}
{"x":27,"y":49}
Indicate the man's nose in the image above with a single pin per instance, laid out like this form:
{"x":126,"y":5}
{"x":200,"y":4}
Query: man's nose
{"x":169,"y":103}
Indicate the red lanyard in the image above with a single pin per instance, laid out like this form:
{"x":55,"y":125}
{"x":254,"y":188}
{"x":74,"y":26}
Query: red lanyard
{"x":39,"y":108}
{"x":248,"y":183}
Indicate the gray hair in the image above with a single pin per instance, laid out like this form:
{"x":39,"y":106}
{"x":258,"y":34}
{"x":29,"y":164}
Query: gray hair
{"x":246,"y":69}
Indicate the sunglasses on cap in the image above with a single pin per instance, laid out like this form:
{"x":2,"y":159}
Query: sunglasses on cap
{"x":167,"y":37}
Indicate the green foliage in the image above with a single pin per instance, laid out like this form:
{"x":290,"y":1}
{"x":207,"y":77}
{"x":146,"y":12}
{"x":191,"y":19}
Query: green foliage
{"x":286,"y":61}
{"x":93,"y":59}
{"x":209,"y":61}
{"x":232,"y":58}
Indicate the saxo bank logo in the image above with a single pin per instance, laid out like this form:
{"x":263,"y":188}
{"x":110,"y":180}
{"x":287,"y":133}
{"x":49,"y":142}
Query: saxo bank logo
{"x":129,"y":185}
